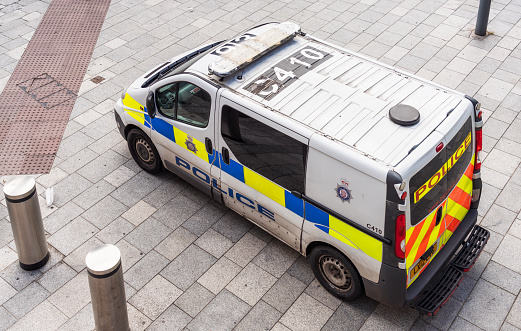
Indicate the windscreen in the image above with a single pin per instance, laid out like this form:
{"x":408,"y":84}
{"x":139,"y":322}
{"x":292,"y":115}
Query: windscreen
{"x":434,"y":182}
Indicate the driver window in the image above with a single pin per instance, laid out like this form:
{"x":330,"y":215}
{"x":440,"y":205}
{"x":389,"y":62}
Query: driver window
{"x":185,"y":102}
{"x":166,"y":97}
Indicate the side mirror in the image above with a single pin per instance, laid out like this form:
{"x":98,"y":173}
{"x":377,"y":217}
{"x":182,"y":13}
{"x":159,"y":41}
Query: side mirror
{"x":151,"y":105}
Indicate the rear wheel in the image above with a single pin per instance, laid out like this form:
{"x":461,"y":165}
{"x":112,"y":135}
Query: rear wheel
{"x":143,"y":151}
{"x":336,"y":273}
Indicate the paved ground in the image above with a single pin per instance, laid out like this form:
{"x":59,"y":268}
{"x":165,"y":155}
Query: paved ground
{"x":212,"y":269}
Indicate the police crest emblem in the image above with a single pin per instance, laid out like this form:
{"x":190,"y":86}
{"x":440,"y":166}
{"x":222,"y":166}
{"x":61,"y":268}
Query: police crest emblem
{"x":190,"y":144}
{"x":342,"y":191}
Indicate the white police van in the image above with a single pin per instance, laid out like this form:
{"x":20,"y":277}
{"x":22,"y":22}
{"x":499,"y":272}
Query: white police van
{"x":372,"y":173}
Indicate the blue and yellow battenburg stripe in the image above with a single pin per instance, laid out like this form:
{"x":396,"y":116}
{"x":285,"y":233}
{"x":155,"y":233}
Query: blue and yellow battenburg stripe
{"x":322,"y":220}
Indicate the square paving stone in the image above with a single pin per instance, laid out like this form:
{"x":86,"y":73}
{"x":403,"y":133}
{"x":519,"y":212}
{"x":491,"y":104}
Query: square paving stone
{"x":56,"y":277}
{"x":301,"y":270}
{"x":203,"y":219}
{"x":176,"y":211}
{"x":306,"y":314}
{"x":93,"y":194}
{"x":185,"y":269}
{"x":136,"y":189}
{"x":284,"y":292}
{"x":136,"y":319}
{"x":138,"y":213}
{"x":6,"y":319}
{"x":148,"y":235}
{"x":245,"y":249}
{"x":487,"y":306}
{"x":176,"y":243}
{"x":69,"y":188}
{"x":514,"y":317}
{"x":223,"y":313}
{"x":233,"y":226}
{"x":25,"y":300}
{"x":129,"y":254}
{"x":276,"y":258}
{"x":219,"y":275}
{"x":44,"y":317}
{"x":498,"y":219}
{"x":73,"y":296}
{"x":508,"y":197}
{"x":214,"y":243}
{"x":145,"y":269}
{"x":251,"y":284}
{"x":351,"y":315}
{"x":172,"y":319}
{"x":61,"y":217}
{"x":17,"y":277}
{"x":462,"y":324}
{"x":7,"y":257}
{"x":261,"y":317}
{"x":502,"y":277}
{"x":155,"y":297}
{"x":82,"y":321}
{"x":104,"y":212}
{"x":504,"y":254}
{"x":72,"y":235}
{"x":318,"y":292}
{"x":116,"y":230}
{"x":193,"y":300}
{"x":403,"y":317}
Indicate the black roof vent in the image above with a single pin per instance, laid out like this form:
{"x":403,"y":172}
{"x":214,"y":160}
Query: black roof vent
{"x":404,"y":115}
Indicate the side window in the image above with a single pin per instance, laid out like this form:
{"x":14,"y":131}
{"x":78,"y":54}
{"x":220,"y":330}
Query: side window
{"x":185,"y":102}
{"x":265,"y":150}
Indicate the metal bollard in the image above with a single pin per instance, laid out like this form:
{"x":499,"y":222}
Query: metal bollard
{"x":107,"y":289}
{"x":26,"y":221}
{"x":482,"y":20}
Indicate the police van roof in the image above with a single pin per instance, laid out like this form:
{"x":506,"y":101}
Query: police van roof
{"x":338,"y":93}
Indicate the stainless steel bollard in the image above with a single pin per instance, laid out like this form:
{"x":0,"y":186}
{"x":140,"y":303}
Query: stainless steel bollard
{"x":107,"y":289}
{"x":26,"y":221}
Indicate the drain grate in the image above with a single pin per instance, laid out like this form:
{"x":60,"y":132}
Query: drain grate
{"x":37,"y":101}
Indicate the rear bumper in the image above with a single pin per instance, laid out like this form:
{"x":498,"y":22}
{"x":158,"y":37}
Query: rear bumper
{"x":391,"y":289}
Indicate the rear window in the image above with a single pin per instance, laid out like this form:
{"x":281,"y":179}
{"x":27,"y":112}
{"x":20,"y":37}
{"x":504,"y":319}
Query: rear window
{"x":431,"y":185}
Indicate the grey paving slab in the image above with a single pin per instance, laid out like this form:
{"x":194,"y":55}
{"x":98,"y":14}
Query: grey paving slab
{"x":232,"y":226}
{"x":351,"y":315}
{"x":487,"y":306}
{"x":72,"y":235}
{"x":251,"y":284}
{"x":25,"y":300}
{"x":6,"y":319}
{"x":56,"y":277}
{"x":284,"y":292}
{"x":82,"y":321}
{"x":7,"y":257}
{"x":17,"y":277}
{"x":145,"y":269}
{"x":172,"y":319}
{"x":276,"y":258}
{"x":61,"y":217}
{"x":203,"y":219}
{"x":261,"y":317}
{"x":44,"y":317}
{"x":193,"y":300}
{"x":504,"y":255}
{"x":104,"y":212}
{"x":185,"y":269}
{"x":73,"y":296}
{"x":222,"y":313}
{"x":306,"y":314}
{"x":219,"y":275}
{"x":155,"y":297}
{"x":148,"y":235}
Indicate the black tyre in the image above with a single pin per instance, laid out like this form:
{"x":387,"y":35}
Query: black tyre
{"x":144,"y":152}
{"x":336,"y":273}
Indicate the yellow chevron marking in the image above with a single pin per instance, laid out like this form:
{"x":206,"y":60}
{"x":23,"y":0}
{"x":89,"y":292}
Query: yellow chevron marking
{"x":129,"y":102}
{"x":181,"y":138}
{"x":426,"y":223}
{"x":265,"y":186}
{"x":358,"y":239}
{"x":140,"y":117}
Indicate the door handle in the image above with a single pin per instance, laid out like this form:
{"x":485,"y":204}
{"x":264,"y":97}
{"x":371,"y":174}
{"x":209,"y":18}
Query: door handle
{"x":208,"y":144}
{"x":226,"y":155}
{"x":439,"y":214}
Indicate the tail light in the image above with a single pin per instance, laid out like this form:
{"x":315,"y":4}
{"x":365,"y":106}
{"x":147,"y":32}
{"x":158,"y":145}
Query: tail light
{"x":479,"y":145}
{"x":399,"y":237}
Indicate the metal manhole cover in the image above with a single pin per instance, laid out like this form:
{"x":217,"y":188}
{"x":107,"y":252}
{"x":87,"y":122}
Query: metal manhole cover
{"x":46,"y":90}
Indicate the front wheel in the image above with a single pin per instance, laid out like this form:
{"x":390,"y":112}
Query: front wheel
{"x":336,"y":273}
{"x":143,"y":151}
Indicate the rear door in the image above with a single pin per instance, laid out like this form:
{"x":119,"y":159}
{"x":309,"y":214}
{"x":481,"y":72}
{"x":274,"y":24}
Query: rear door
{"x":262,"y":163}
{"x":440,"y":188}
